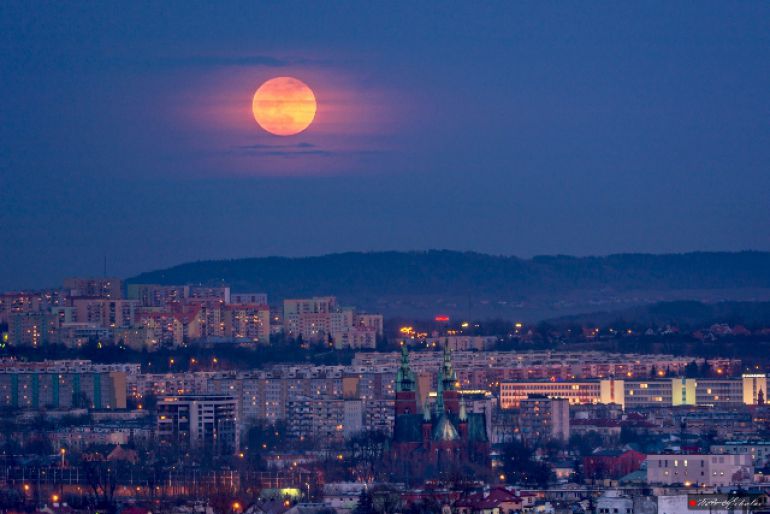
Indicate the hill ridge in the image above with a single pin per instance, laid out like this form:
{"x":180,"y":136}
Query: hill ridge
{"x":450,"y":279}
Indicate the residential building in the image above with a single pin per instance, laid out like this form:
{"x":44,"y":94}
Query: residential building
{"x":64,"y":385}
{"x":614,"y":502}
{"x":202,"y":422}
{"x":612,"y":463}
{"x":513,"y":393}
{"x":759,"y":450}
{"x":542,"y":419}
{"x":106,"y":288}
{"x":247,"y":322}
{"x":702,"y":469}
{"x":155,"y":295}
{"x":633,"y":394}
{"x":248,"y":298}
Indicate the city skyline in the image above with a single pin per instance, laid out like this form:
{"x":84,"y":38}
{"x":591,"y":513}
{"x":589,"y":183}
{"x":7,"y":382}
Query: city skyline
{"x":355,"y":257}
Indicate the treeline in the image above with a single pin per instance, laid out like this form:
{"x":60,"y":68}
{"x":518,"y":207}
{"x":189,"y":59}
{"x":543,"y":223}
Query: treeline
{"x":193,"y":357}
{"x":375,"y":274}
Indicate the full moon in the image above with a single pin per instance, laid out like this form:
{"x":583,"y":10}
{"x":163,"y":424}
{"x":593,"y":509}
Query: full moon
{"x":284,"y":106}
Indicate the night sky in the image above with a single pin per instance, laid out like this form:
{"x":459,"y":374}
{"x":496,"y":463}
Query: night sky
{"x":517,"y":128}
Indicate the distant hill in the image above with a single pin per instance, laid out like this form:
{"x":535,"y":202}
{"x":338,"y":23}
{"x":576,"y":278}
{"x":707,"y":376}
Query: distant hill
{"x":474,"y":284}
{"x":685,"y":314}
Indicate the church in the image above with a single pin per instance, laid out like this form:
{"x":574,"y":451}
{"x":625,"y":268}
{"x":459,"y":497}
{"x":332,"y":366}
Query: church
{"x":434,"y":443}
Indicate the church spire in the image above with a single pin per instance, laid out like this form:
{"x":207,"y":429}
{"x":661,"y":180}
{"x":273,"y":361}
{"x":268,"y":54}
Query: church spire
{"x":439,"y":396}
{"x":448,"y":374}
{"x":405,"y":380}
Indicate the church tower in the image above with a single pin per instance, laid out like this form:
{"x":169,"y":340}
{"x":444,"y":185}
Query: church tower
{"x":406,"y":387}
{"x":447,"y":381}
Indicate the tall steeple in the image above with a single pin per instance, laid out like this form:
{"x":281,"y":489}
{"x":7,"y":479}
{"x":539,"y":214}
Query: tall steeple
{"x":405,"y":380}
{"x":449,"y":383}
{"x":439,"y":396}
{"x":448,"y":374}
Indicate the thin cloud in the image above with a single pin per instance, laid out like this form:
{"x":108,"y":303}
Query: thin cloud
{"x":246,"y":60}
{"x":283,"y":150}
{"x":242,"y":61}
{"x":294,"y":150}
{"x":209,"y":61}
{"x":261,"y":146}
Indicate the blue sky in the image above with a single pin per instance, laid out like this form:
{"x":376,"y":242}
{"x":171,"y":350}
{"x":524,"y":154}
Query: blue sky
{"x":510,"y":128}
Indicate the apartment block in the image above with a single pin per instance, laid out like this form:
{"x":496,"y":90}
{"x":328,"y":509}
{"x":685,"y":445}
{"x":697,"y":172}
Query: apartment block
{"x":247,"y":322}
{"x":631,"y":394}
{"x":155,"y":295}
{"x":62,"y":388}
{"x":542,"y":419}
{"x":320,"y":319}
{"x":106,"y":288}
{"x":248,"y":298}
{"x":201,"y":422}
{"x":513,"y":393}
{"x":758,"y":450}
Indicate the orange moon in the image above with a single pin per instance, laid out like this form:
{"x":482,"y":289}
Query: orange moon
{"x":284,"y":106}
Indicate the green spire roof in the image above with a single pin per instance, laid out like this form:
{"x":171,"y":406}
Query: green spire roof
{"x":405,"y":380}
{"x":448,"y":374}
{"x":439,"y":397}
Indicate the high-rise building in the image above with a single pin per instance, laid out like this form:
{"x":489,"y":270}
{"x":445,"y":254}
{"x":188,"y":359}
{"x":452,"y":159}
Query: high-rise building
{"x":542,"y":419}
{"x":155,"y":295}
{"x":320,"y":318}
{"x":248,"y":298}
{"x":210,"y":294}
{"x":108,"y":288}
{"x":202,"y":422}
{"x":247,"y":322}
{"x":104,"y":312}
{"x":63,"y":385}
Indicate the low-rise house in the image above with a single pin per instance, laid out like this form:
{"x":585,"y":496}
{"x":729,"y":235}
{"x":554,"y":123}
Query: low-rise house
{"x":700,"y":469}
{"x":612,"y":463}
{"x":497,"y":500}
